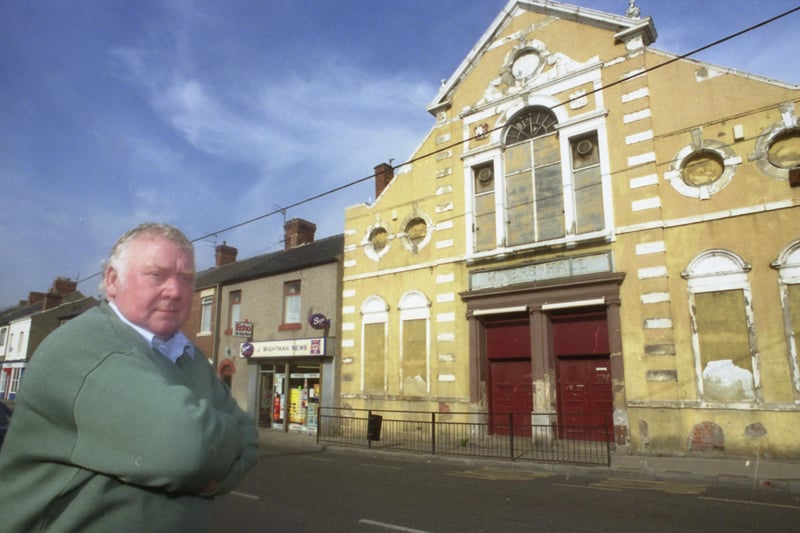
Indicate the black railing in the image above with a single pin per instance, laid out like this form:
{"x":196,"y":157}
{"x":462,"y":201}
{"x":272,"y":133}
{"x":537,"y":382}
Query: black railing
{"x":544,"y":437}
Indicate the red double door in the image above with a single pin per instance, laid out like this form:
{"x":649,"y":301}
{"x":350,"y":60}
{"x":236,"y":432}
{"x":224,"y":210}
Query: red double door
{"x":583,"y":377}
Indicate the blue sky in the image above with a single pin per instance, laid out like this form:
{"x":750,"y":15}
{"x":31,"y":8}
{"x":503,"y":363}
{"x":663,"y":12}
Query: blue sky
{"x":205,"y":114}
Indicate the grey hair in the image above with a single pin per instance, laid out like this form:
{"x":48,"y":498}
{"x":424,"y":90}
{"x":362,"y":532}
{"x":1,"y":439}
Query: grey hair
{"x":118,"y":256}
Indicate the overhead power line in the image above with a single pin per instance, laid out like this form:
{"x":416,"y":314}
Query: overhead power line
{"x":483,"y":133}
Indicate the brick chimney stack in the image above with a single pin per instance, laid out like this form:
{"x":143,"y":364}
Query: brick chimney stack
{"x":64,"y":286}
{"x":298,"y":232}
{"x":384,"y":173}
{"x":225,"y":254}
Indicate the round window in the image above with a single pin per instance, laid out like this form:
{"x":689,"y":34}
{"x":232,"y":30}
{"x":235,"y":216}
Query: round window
{"x":702,"y":168}
{"x":784,"y":152}
{"x":378,"y":239}
{"x":416,"y":229}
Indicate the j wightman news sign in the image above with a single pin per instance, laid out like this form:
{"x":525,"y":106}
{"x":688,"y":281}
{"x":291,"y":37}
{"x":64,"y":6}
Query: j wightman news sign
{"x":288,"y":348}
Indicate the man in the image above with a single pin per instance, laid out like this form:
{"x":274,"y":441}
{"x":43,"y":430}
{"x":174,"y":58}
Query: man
{"x":120,"y":423}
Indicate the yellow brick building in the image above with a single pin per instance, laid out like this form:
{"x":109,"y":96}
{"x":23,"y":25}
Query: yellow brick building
{"x":593,"y":229}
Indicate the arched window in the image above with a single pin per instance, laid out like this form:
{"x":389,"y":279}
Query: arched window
{"x":788,"y":266}
{"x":415,"y":317}
{"x":375,"y":317}
{"x":726,"y":357}
{"x":546,"y":187}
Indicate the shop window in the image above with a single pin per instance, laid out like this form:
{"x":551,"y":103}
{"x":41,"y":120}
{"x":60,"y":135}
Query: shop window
{"x":788,"y":266}
{"x":414,"y":348}
{"x":291,"y":302}
{"x":726,"y":358}
{"x":206,"y":307}
{"x":374,"y":321}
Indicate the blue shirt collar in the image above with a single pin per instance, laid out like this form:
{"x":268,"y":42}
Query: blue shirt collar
{"x":172,"y":349}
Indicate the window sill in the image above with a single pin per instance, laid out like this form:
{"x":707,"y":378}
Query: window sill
{"x":290,"y":327}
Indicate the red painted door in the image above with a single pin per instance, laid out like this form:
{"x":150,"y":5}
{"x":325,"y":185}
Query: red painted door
{"x":511,"y":386}
{"x":585,"y":402}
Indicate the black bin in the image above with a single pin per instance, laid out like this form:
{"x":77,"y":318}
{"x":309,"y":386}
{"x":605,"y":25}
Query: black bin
{"x":374,"y":423}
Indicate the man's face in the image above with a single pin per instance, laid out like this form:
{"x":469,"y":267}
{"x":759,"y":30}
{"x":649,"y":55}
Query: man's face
{"x":156,"y":291}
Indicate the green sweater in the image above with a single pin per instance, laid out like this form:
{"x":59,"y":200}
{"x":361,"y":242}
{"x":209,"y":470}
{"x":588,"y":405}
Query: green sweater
{"x":110,"y":435}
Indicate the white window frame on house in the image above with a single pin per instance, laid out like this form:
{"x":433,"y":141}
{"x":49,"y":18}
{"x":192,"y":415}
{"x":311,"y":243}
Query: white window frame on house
{"x":717,"y":271}
{"x":206,"y":311}
{"x":414,"y":305}
{"x":292,"y":291}
{"x":235,"y":308}
{"x":3,"y":336}
{"x":374,"y":310}
{"x":788,"y":266}
{"x":568,"y":130}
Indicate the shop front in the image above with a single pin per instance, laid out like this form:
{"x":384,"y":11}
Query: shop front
{"x":293,"y":376}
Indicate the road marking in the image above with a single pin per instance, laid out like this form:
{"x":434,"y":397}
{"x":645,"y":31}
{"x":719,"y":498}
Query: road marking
{"x":570,"y":486}
{"x":384,"y":467}
{"x":749,"y":502}
{"x":500,"y":475}
{"x":670,"y":487}
{"x":393,"y":527}
{"x":245,"y":495}
{"x":315,"y":458}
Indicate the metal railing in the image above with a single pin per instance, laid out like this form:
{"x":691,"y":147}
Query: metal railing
{"x":544,"y":437}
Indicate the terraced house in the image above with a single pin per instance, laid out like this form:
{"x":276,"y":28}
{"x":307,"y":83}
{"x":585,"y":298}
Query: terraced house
{"x":593,"y":229}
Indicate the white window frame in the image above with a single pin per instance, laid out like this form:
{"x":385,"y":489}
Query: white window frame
{"x":788,"y":266}
{"x":414,"y":305}
{"x":206,"y":312}
{"x":716,"y":271}
{"x":568,"y":129}
{"x":374,"y":310}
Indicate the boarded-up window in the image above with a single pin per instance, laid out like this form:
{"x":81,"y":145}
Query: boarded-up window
{"x":374,"y":358}
{"x":415,"y":340}
{"x":587,"y":184}
{"x":485,"y":226}
{"x":722,"y":328}
{"x":794,"y":316}
{"x":534,"y":191}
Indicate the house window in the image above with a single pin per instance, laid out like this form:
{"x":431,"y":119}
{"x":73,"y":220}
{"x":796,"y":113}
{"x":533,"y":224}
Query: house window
{"x":234,"y":308}
{"x":3,"y":334}
{"x":788,"y":265}
{"x":16,"y":374}
{"x":291,"y":302}
{"x":206,"y":307}
{"x":414,"y":344}
{"x":373,"y":345}
{"x":726,"y":358}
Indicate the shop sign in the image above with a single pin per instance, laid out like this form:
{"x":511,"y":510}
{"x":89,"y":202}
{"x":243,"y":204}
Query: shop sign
{"x":318,"y":321}
{"x":243,"y":329}
{"x":288,"y":348}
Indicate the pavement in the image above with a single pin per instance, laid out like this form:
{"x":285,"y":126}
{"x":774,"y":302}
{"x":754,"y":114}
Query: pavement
{"x":754,"y":472}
